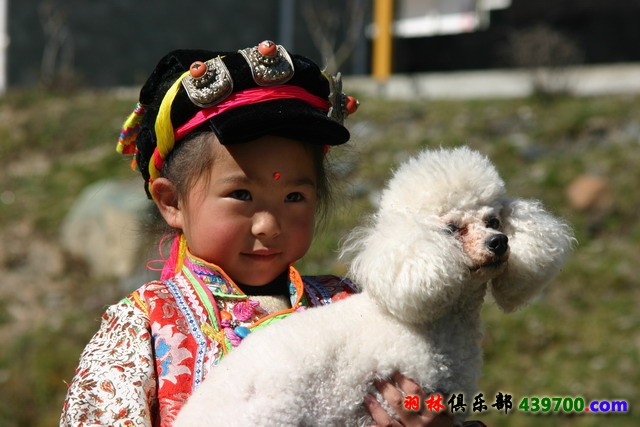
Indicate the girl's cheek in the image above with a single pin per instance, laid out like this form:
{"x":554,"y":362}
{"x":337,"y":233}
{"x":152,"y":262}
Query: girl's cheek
{"x":229,"y":230}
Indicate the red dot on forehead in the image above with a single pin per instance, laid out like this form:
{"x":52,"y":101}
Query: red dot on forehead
{"x":276,"y":175}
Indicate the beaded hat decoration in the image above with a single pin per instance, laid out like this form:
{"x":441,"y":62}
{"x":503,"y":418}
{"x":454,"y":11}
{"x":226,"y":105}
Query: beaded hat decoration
{"x":240,"y":96}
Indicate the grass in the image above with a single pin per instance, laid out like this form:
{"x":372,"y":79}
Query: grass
{"x":581,"y":338}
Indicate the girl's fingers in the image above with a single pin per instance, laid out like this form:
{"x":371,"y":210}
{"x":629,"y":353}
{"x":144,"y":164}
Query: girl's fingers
{"x":394,"y":393}
{"x":408,"y":386}
{"x":379,"y":415}
{"x":390,"y":393}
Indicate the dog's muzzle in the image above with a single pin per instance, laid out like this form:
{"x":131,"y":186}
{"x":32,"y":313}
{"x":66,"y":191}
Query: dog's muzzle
{"x":498,"y":244}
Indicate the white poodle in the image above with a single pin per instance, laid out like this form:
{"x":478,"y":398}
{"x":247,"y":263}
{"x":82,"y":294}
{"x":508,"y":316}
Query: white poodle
{"x":444,"y":233}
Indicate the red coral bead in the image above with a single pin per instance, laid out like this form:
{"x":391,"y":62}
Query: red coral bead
{"x":268,"y":49}
{"x":198,"y":69}
{"x":352,"y":105}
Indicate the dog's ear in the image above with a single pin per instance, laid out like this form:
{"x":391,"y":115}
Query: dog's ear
{"x":539,"y":245}
{"x":409,"y":264}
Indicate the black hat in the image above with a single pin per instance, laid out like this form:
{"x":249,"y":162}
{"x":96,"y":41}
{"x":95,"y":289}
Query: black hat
{"x":240,"y":96}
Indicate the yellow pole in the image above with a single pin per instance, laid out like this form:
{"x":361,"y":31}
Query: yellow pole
{"x":383,"y":18}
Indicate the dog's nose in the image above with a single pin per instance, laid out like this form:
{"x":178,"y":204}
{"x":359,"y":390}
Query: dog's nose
{"x":498,"y":244}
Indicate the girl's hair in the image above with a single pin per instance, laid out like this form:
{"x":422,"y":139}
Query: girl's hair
{"x":194,"y":157}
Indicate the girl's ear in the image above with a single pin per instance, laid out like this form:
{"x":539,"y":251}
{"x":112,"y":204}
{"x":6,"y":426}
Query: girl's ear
{"x":165,"y":196}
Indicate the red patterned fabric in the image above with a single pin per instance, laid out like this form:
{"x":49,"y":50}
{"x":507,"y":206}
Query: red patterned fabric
{"x":156,"y":346}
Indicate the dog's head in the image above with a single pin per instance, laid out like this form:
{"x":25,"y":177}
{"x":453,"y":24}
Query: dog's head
{"x":445,"y":227}
{"x":481,"y":237}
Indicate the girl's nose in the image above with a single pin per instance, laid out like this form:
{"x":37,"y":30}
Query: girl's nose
{"x":266,"y":225}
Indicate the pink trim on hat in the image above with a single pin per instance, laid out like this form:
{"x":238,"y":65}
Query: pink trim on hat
{"x":247,"y":97}
{"x":157,"y":159}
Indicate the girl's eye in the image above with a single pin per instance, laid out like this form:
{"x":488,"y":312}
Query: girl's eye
{"x":294,"y":197}
{"x":493,"y":223}
{"x":243,"y":195}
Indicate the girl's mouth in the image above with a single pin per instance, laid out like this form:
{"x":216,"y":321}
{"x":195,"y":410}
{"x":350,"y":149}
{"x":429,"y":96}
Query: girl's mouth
{"x":262,"y":255}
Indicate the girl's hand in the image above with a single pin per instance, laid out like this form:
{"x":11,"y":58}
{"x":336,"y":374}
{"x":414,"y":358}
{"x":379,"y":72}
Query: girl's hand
{"x":394,"y":393}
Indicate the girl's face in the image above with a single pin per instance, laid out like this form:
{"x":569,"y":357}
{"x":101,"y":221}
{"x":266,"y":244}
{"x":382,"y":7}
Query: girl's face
{"x":253,"y":213}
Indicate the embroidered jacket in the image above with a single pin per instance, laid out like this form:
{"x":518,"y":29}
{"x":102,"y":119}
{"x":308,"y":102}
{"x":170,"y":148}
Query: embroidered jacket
{"x":156,"y":346}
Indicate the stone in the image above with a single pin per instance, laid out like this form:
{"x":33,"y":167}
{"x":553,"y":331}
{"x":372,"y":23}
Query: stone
{"x":590,"y":193}
{"x":103,"y":227}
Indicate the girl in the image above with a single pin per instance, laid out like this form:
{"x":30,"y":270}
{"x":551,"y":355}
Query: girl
{"x":231,"y":147}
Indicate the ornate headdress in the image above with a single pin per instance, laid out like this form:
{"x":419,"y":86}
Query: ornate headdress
{"x":240,"y":96}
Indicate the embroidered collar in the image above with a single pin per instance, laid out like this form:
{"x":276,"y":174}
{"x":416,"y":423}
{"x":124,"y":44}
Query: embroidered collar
{"x":221,"y":285}
{"x":233,"y":315}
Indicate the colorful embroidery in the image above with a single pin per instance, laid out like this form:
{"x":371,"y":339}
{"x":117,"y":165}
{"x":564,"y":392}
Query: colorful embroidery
{"x":194,"y":328}
{"x":170,"y":354}
{"x":156,"y":346}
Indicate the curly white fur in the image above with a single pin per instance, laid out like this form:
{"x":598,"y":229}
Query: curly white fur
{"x":423,"y":262}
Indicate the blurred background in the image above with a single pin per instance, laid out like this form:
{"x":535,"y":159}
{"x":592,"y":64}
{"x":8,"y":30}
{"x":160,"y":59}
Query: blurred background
{"x":549,"y":89}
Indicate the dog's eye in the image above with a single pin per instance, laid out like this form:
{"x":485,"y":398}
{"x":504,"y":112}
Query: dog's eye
{"x":493,"y":223}
{"x":452,"y":227}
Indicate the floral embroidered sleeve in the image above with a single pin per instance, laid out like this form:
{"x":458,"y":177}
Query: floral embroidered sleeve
{"x":115,"y":382}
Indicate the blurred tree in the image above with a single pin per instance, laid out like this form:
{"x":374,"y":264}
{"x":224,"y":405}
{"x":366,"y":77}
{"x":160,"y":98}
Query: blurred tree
{"x":335,"y":29}
{"x":57,"y":66}
{"x":546,"y":52}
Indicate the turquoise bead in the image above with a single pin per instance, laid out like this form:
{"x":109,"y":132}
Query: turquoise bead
{"x":242,"y":331}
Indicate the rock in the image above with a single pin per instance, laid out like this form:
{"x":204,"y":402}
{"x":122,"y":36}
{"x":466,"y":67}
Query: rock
{"x":103,"y":227}
{"x":590,"y":193}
